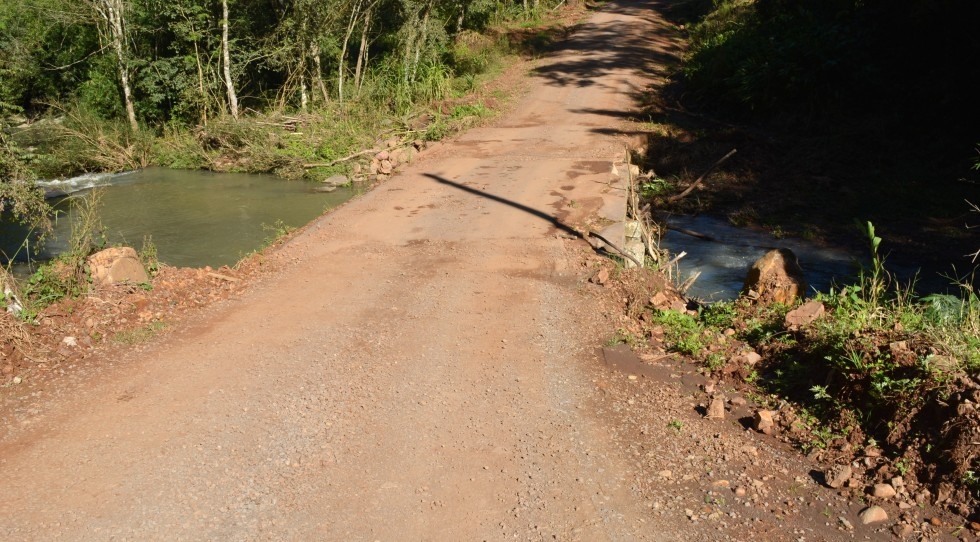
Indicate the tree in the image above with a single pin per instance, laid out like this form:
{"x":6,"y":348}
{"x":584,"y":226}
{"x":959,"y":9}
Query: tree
{"x":226,"y":56}
{"x":113,"y":14}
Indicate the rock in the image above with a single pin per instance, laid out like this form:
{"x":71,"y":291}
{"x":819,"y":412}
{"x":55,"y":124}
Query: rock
{"x":763,"y":422}
{"x":776,"y":277}
{"x":872,"y":514}
{"x":386,"y":167}
{"x":418,"y":144}
{"x":898,"y":482}
{"x":923,"y":497}
{"x":716,"y":408}
{"x":392,"y":143}
{"x":737,"y":401}
{"x":803,"y":315}
{"x":845,"y":524}
{"x":9,"y":297}
{"x":902,"y":530}
{"x":336,"y":180}
{"x":601,"y":278}
{"x":751,"y":358}
{"x":69,"y":341}
{"x":883,"y":491}
{"x":374,"y":166}
{"x":740,"y":492}
{"x":383,"y":155}
{"x":396,"y":157}
{"x":837,"y":476}
{"x":668,"y":300}
{"x":17,"y":380}
{"x":116,"y":265}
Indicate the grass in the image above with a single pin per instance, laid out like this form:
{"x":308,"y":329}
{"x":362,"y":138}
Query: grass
{"x":879,"y":369}
{"x":140,"y":334}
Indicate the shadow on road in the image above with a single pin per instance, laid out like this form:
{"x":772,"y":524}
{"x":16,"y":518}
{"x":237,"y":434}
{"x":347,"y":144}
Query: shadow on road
{"x":530,"y":210}
{"x":608,"y":47}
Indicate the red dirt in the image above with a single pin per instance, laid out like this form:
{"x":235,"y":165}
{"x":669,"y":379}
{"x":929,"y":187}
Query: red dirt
{"x":417,"y":364}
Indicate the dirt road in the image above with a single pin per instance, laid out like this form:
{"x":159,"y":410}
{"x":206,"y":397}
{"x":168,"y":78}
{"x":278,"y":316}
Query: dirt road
{"x":423,"y":366}
{"x":419,"y":371}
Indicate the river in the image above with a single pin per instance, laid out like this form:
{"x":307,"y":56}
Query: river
{"x":194,"y":218}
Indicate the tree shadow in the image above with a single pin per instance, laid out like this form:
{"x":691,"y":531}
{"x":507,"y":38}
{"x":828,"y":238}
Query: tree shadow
{"x":557,"y":224}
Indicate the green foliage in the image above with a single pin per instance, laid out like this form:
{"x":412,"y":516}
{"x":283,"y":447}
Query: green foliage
{"x":149,"y":256}
{"x":82,"y":141}
{"x":66,"y":276}
{"x":278,"y":230}
{"x":18,"y":194}
{"x":682,"y":332}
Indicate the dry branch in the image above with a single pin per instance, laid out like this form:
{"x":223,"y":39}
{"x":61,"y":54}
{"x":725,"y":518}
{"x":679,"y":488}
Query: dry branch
{"x":700,"y":179}
{"x":339,"y":160}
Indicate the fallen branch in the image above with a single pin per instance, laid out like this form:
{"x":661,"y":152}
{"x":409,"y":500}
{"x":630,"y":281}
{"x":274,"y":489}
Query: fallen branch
{"x":692,"y":233}
{"x":222,"y":277}
{"x":700,"y":179}
{"x":339,"y":160}
{"x":619,"y":250}
{"x":676,"y":259}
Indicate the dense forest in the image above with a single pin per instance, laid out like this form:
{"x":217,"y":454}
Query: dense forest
{"x":186,"y":61}
{"x":841,"y":110}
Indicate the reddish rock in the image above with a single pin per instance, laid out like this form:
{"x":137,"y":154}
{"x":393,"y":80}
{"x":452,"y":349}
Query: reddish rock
{"x":116,"y":265}
{"x":776,"y":277}
{"x":763,"y":422}
{"x":803,"y":315}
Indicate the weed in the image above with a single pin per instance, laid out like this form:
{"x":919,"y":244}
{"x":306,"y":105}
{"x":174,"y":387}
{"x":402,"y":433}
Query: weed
{"x":279,"y":229}
{"x":972,"y":481}
{"x":140,"y":334}
{"x":622,"y":336}
{"x":149,"y":256}
{"x":676,"y":425}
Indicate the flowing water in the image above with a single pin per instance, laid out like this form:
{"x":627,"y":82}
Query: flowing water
{"x":194,"y":218}
{"x":725,"y":260}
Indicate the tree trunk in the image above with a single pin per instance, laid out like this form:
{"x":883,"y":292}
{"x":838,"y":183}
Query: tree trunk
{"x":363,"y":51}
{"x":315,"y":53}
{"x":112,"y":12}
{"x":460,"y":18}
{"x":421,"y":38}
{"x":226,"y":55}
{"x":342,"y":61}
{"x":200,"y":86}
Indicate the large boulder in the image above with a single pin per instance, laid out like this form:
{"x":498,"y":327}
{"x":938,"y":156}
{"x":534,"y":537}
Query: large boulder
{"x":776,"y":277}
{"x":116,"y":265}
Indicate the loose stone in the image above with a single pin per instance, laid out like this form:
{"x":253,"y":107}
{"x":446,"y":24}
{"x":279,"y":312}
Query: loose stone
{"x":872,"y":514}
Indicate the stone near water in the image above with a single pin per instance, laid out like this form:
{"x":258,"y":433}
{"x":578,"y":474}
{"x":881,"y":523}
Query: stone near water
{"x":776,"y":277}
{"x":336,"y":180}
{"x":116,"y":265}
